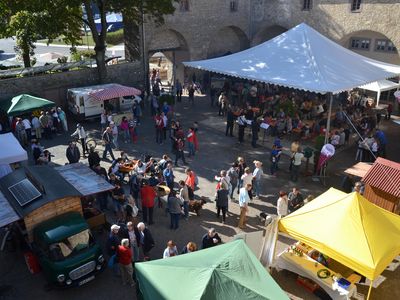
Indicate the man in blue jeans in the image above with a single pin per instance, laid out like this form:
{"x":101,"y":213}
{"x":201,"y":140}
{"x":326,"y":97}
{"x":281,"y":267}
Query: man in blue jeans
{"x":108,"y":140}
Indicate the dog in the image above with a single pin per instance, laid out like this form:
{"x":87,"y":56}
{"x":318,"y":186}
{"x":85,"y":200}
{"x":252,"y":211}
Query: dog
{"x":196,"y":206}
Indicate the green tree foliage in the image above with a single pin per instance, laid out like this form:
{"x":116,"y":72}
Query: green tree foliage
{"x":30,"y":20}
{"x":131,"y":9}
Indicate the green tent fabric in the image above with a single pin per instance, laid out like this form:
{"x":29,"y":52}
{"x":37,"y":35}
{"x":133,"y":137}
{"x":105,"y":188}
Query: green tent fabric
{"x":229,"y":271}
{"x":26,"y":103}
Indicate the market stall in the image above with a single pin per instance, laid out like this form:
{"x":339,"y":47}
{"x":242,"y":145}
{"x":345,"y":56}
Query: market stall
{"x":348,"y":229}
{"x":379,"y":87}
{"x":11,"y":153}
{"x":24,"y":104}
{"x":228,"y":271}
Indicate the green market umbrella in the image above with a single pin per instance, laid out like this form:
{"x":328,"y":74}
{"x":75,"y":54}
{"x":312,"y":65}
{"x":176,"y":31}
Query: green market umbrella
{"x":26,"y":103}
{"x":229,"y":271}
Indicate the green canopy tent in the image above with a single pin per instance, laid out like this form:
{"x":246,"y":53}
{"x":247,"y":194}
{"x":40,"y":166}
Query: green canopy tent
{"x":229,"y":271}
{"x":24,"y":104}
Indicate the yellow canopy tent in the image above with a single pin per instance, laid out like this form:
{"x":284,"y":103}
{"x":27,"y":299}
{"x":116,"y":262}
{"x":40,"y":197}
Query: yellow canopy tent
{"x":349,"y":229}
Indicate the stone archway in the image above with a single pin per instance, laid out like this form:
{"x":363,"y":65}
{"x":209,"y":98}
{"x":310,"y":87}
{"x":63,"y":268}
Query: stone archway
{"x":173,"y":45}
{"x":227,"y":40}
{"x":372,"y":44}
{"x":267,"y":33}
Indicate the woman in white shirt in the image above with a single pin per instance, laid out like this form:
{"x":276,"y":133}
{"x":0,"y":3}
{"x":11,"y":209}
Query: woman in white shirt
{"x":247,"y":178}
{"x":282,"y":204}
{"x":171,"y":250}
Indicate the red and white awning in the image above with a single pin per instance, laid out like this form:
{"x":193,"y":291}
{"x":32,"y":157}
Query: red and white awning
{"x":113,"y":90}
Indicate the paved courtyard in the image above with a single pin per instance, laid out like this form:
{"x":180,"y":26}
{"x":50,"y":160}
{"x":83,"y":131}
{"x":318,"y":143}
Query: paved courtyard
{"x":216,"y":153}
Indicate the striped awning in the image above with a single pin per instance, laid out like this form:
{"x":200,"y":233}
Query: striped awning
{"x":384,"y":175}
{"x":113,"y":90}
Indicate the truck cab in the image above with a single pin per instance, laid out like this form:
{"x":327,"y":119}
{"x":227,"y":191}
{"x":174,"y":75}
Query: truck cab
{"x":67,"y":250}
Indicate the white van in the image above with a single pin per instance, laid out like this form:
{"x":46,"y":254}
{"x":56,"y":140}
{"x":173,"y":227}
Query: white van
{"x":84,"y":106}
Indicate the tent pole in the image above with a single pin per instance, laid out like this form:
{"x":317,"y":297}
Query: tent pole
{"x":328,"y":124}
{"x":369,"y":290}
{"x":377,"y":98}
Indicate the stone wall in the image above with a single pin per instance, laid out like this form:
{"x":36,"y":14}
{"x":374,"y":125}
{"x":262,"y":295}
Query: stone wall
{"x":54,"y":86}
{"x":210,"y":28}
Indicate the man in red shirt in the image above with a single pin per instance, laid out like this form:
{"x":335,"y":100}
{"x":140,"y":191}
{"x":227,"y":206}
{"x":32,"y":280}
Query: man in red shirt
{"x":148,"y":195}
{"x":159,"y":123}
{"x":124,"y":254}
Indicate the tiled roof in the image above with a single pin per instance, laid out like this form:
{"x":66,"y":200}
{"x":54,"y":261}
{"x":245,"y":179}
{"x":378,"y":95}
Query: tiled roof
{"x":384,"y":175}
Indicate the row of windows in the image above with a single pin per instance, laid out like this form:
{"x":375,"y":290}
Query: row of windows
{"x":365,"y":44}
{"x":185,"y":6}
{"x":355,"y":5}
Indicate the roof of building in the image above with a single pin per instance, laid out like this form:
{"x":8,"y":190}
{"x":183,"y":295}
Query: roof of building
{"x":55,"y":187}
{"x":384,"y":175}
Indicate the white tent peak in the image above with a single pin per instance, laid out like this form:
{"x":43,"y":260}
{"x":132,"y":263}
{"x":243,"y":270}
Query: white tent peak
{"x":301,"y":58}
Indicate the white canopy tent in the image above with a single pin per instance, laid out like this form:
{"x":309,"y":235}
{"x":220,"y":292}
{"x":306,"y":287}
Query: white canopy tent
{"x":380,"y":86}
{"x":12,"y":152}
{"x":304,"y":59}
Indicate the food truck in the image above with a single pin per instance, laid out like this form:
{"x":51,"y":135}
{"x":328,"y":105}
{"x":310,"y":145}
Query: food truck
{"x":47,"y":213}
{"x":90,"y":101}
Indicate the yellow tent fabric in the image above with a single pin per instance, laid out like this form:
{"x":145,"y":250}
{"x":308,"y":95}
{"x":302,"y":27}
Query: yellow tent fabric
{"x":349,"y":229}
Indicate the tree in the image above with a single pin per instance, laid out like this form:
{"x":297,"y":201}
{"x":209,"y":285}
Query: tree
{"x":31,"y":20}
{"x":131,"y":9}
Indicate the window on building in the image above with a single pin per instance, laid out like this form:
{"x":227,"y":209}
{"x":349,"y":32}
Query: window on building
{"x":391,"y":47}
{"x":184,"y":5}
{"x":360,"y":43}
{"x":380,"y":45}
{"x":355,"y":5}
{"x":234,"y":6}
{"x":307,"y":4}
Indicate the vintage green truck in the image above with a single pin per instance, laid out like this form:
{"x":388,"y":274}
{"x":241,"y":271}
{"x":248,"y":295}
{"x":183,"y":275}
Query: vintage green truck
{"x":67,"y":251}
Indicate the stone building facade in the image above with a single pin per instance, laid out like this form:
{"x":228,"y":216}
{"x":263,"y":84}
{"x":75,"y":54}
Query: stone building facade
{"x":201,"y":29}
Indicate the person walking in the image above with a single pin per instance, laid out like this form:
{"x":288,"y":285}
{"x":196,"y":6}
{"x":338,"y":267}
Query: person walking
{"x":178,"y":87}
{"x":112,"y":244}
{"x":103,"y":120}
{"x":282,"y":204}
{"x":148,"y":195}
{"x":146,"y":240}
{"x":174,"y":208}
{"x":28,"y":128}
{"x":190,"y":178}
{"x":257,"y":173}
{"x":184,"y":196}
{"x":274,"y":158}
{"x":241,"y":167}
{"x":133,"y":235}
{"x":72,"y":153}
{"x":244,"y":199}
{"x":108,"y":140}
{"x":191,"y":94}
{"x":221,"y":200}
{"x":297,"y":158}
{"x":159,"y":125}
{"x":124,"y":254}
{"x":80,"y":132}
{"x":247,"y":178}
{"x":230,"y":121}
{"x":241,"y":125}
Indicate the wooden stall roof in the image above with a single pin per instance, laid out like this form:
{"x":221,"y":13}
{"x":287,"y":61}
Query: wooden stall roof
{"x":359,"y":169}
{"x":384,"y":175}
{"x":86,"y":181}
